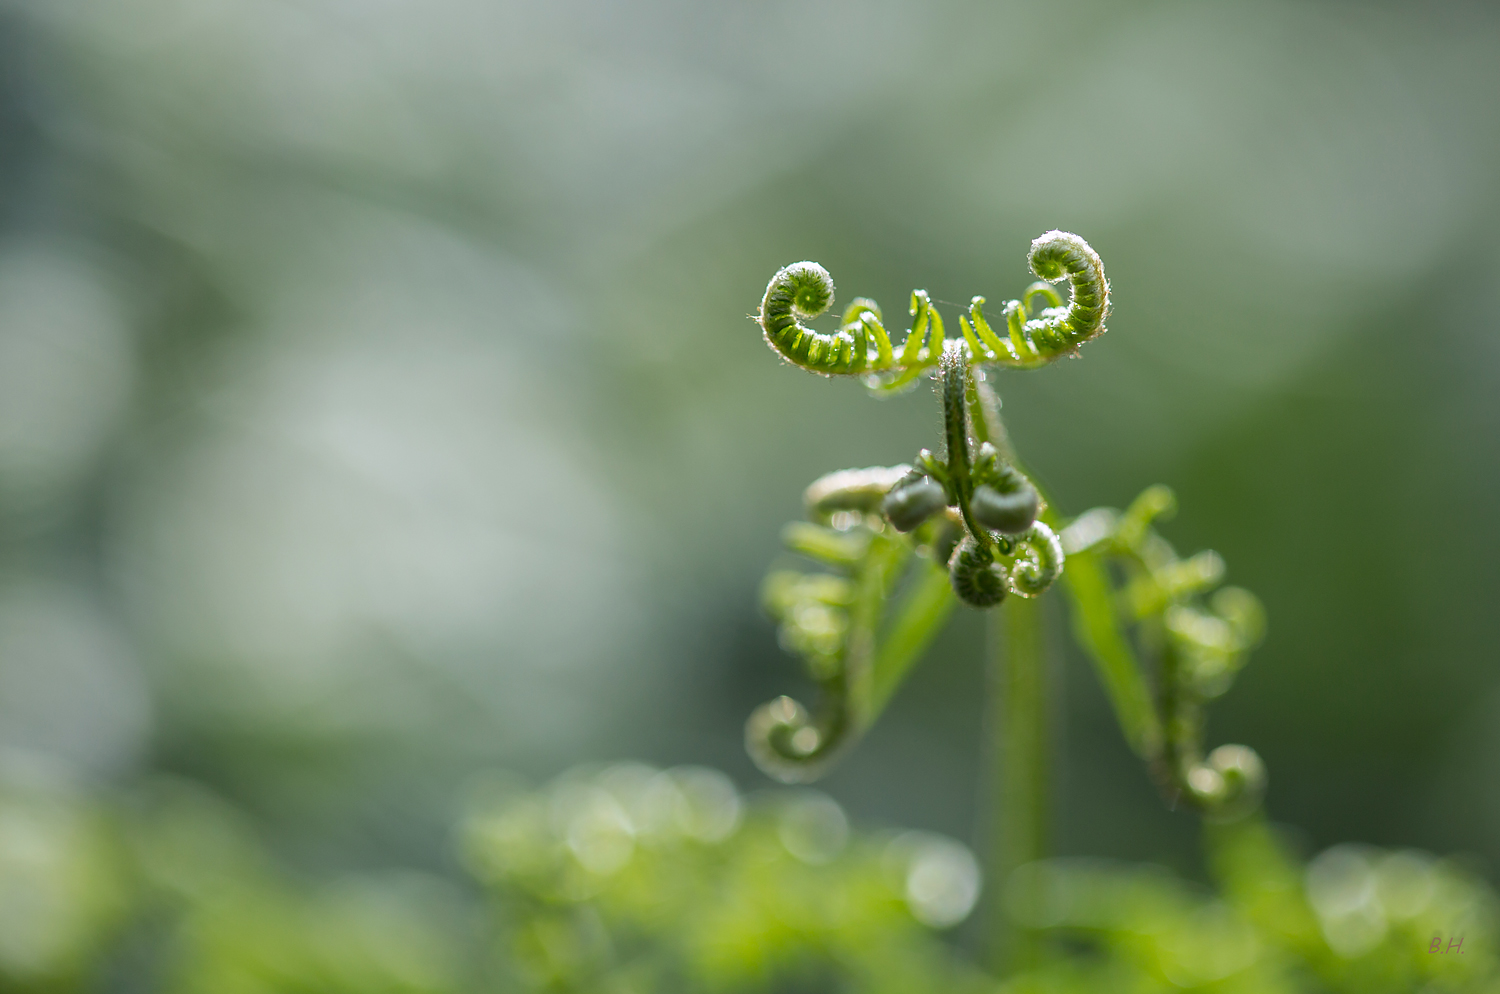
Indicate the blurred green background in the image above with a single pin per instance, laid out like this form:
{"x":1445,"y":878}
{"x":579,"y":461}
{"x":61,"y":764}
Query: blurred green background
{"x":378,"y":403}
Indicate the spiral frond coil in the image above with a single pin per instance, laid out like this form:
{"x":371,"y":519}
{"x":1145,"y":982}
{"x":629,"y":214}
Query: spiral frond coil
{"x":861,"y":346}
{"x":1041,"y":562}
{"x":977,"y":578}
{"x":1054,"y":256}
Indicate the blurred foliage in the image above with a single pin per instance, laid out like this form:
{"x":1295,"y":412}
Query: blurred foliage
{"x":628,"y":878}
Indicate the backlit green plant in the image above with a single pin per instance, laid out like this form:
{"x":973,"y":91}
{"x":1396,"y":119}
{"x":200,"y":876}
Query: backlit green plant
{"x":973,"y":517}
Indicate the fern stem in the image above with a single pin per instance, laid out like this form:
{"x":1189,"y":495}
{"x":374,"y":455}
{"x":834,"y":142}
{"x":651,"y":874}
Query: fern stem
{"x":1020,"y":792}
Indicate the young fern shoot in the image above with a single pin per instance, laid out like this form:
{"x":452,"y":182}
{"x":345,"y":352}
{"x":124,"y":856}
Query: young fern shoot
{"x":970,"y":513}
{"x":974,"y":529}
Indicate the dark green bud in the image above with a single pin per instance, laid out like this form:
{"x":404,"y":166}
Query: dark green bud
{"x":1011,"y":513}
{"x":909,"y":505}
{"x":977,"y":579}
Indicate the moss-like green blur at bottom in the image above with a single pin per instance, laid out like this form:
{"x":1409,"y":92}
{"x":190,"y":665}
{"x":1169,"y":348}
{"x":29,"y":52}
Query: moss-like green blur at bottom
{"x":626,"y":878}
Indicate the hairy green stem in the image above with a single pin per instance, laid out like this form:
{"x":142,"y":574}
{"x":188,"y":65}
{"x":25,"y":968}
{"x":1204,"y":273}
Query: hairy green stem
{"x":1018,"y":787}
{"x":1020,"y":793}
{"x":957,"y":384}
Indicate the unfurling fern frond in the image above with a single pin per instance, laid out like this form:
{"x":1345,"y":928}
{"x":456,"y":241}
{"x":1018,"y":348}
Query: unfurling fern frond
{"x":987,"y":534}
{"x":861,"y":345}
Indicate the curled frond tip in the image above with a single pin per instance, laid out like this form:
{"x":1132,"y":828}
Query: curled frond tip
{"x":862,"y":346}
{"x":1059,"y":254}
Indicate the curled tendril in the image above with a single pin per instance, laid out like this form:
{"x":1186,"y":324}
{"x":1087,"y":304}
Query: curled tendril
{"x":982,"y":578}
{"x":1057,"y":330}
{"x":1042,"y":563}
{"x":786,"y":742}
{"x":1055,"y":255}
{"x":797,"y":293}
{"x":1201,"y":644}
{"x":977,"y":579}
{"x":861,"y":346}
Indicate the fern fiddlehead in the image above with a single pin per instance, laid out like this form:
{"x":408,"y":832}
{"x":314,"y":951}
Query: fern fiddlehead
{"x":1054,"y":256}
{"x":861,"y":345}
{"x":969,"y":513}
{"x":971,"y":517}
